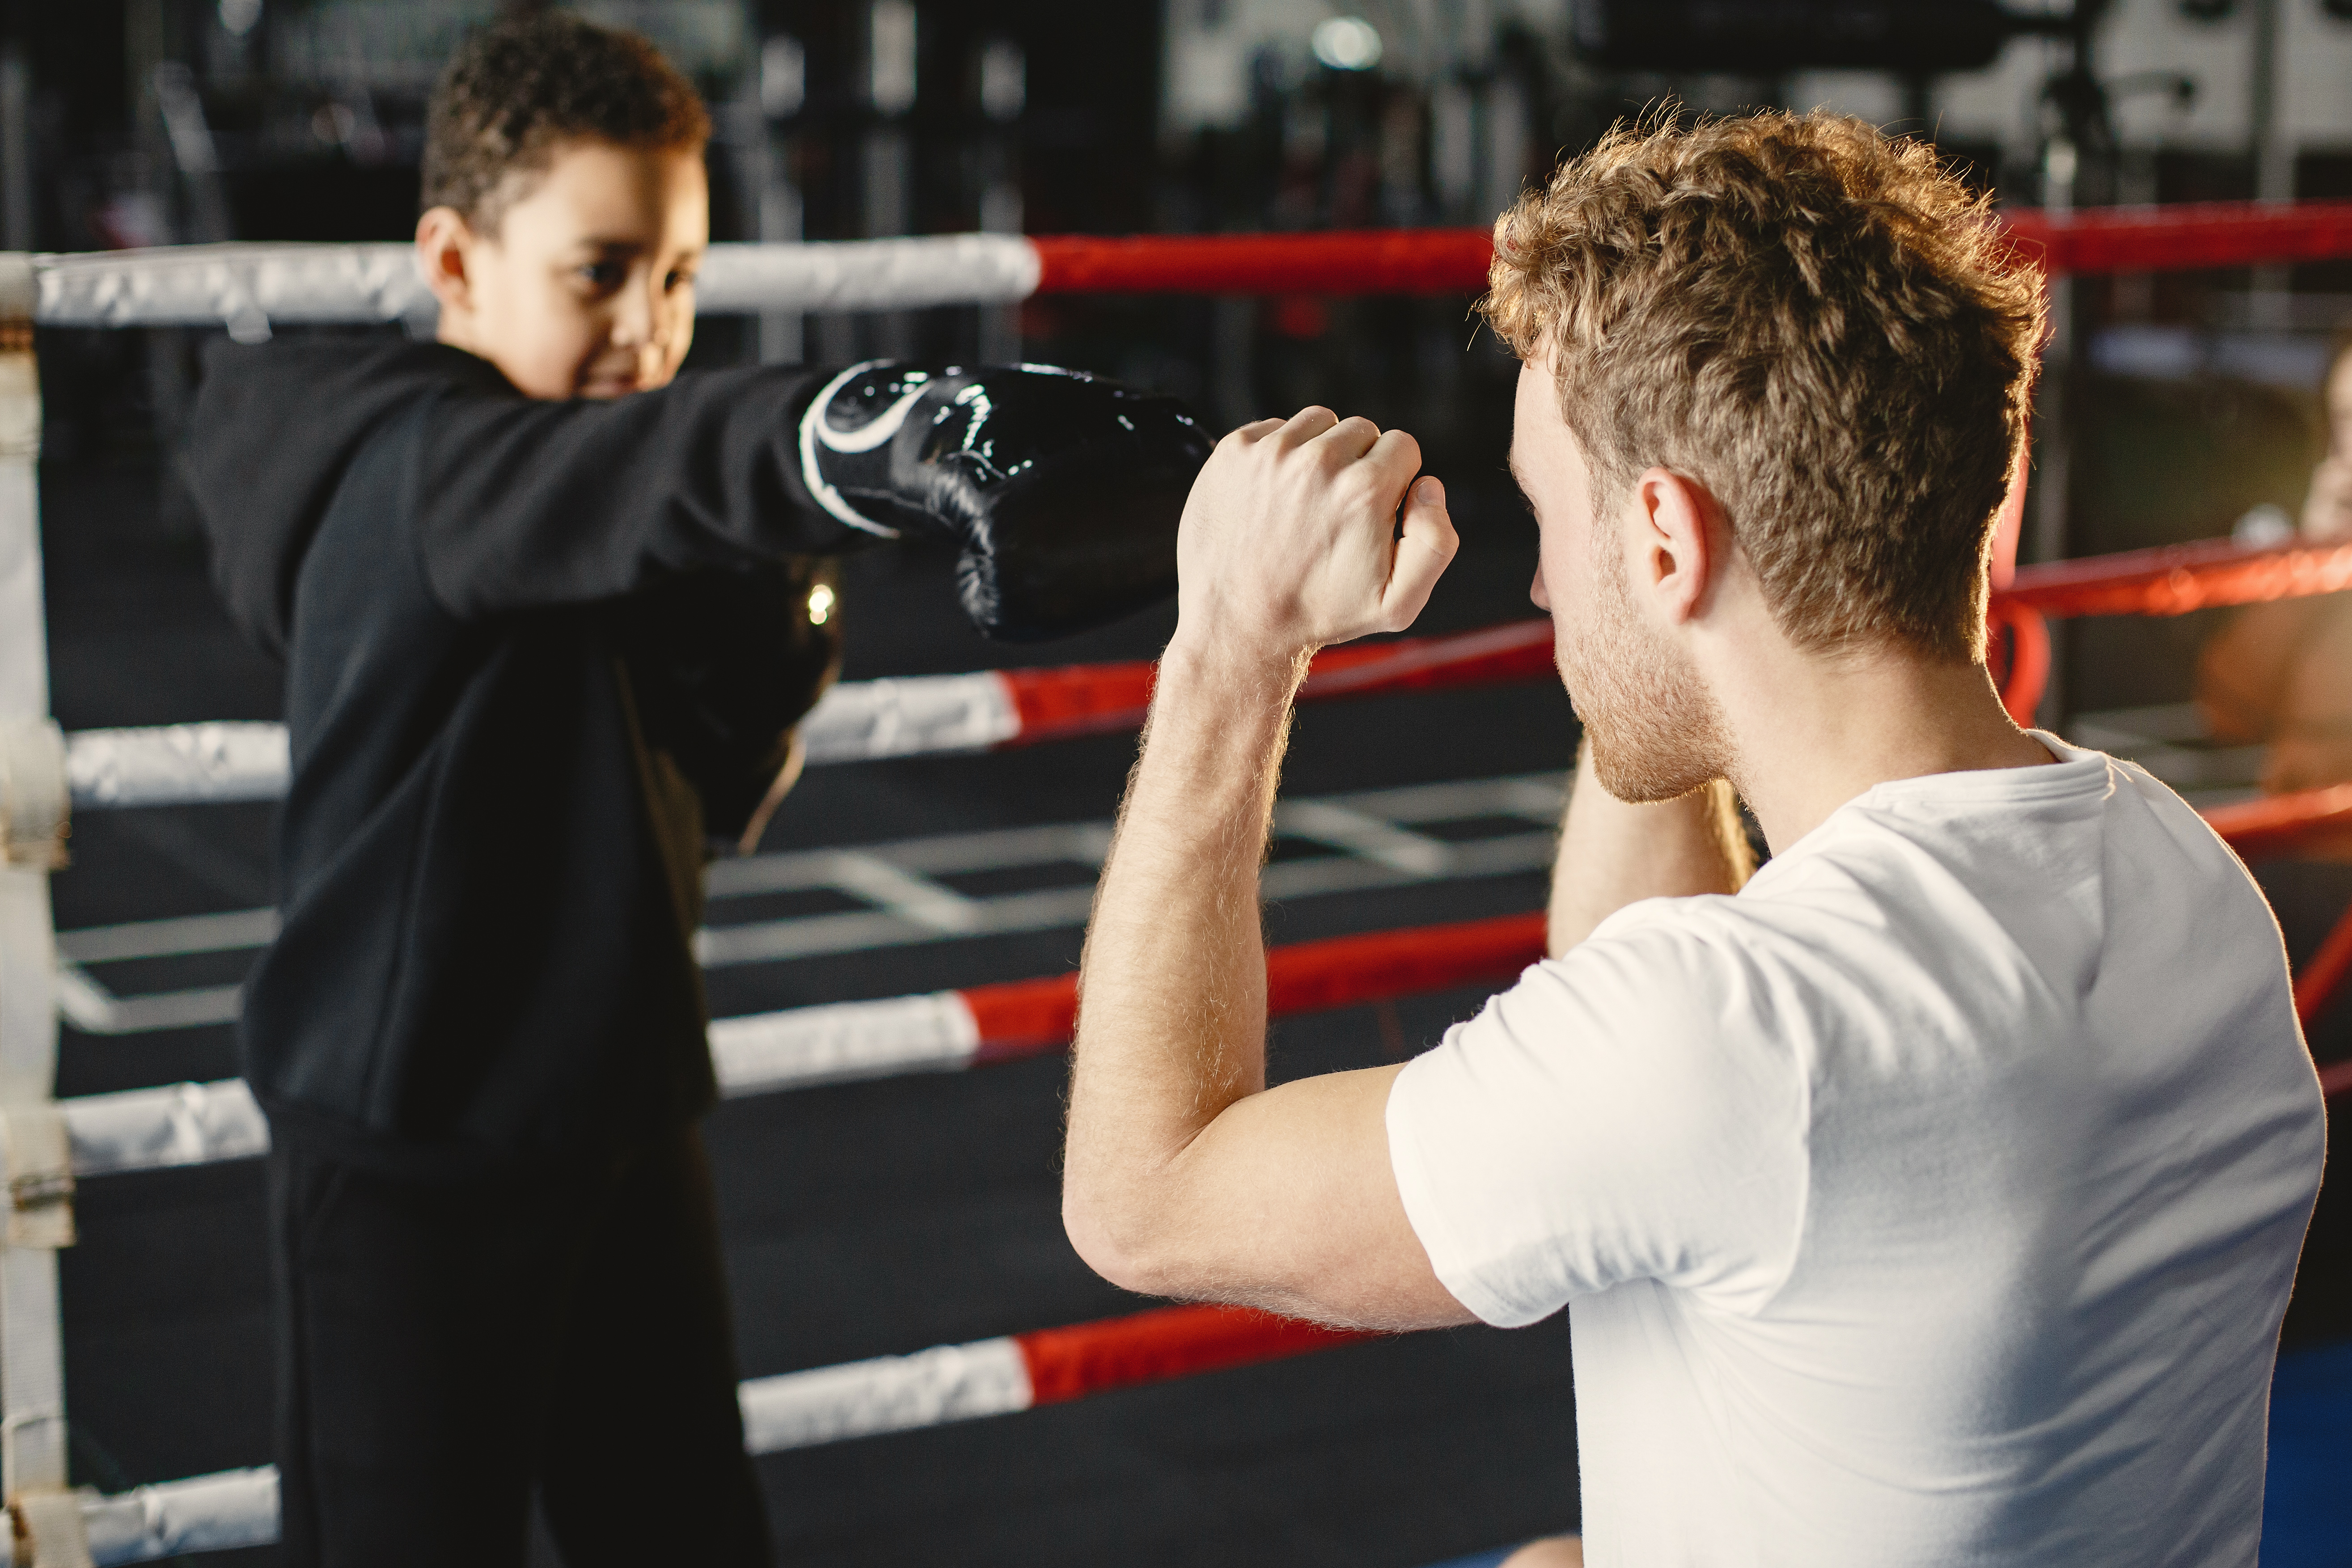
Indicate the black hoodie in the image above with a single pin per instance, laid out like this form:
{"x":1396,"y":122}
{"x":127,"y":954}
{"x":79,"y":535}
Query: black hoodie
{"x":537,"y":655}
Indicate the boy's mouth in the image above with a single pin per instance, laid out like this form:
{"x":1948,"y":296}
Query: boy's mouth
{"x":611,"y":379}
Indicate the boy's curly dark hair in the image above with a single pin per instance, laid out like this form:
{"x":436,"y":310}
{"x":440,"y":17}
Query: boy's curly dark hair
{"x":515,"y":91}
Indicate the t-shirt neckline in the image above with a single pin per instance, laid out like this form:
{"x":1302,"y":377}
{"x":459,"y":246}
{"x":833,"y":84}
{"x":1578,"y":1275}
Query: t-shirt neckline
{"x":2073,"y":771}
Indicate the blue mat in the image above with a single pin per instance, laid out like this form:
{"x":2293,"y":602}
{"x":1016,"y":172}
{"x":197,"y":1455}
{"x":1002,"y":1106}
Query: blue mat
{"x":2307,"y":1504}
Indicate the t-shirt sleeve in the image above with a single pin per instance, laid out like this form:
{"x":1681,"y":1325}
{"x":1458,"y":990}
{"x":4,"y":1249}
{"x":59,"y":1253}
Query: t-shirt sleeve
{"x":1627,"y":1112}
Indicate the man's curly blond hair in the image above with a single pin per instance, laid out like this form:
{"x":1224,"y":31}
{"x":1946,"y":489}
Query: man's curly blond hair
{"x":1814,"y":321}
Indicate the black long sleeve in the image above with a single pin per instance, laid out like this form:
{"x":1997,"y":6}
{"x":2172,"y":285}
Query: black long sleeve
{"x":525,"y":505}
{"x":535,"y":653}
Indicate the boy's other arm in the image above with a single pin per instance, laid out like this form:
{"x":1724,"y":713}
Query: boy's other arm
{"x":524,"y":504}
{"x":1613,"y":854}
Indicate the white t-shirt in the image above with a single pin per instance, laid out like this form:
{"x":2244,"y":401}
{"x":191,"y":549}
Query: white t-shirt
{"x":1932,"y":1201}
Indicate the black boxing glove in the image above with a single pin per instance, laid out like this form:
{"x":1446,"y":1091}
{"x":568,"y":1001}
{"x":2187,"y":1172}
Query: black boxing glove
{"x":1062,"y":490}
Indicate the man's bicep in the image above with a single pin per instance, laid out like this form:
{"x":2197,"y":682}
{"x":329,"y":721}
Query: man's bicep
{"x":1295,"y":1207}
{"x":1599,"y":1123}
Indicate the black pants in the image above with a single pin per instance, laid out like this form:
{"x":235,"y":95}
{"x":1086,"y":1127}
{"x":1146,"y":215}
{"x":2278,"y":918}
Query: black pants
{"x":445,"y":1351}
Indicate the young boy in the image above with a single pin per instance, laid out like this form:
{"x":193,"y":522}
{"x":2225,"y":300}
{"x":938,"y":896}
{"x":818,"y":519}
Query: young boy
{"x":549,"y":618}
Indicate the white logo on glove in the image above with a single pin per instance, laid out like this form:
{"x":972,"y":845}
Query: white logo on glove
{"x":865,"y":438}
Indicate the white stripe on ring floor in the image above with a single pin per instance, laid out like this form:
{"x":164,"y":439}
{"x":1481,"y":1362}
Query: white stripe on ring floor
{"x":1368,"y":839}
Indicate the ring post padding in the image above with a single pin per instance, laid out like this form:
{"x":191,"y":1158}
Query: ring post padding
{"x":53,"y":1523}
{"x":20,"y":286}
{"x":40,"y":1176}
{"x":32,"y":798}
{"x":40,"y":1220}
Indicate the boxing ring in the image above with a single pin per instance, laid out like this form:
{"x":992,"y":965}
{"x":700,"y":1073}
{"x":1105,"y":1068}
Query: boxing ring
{"x":52,"y":1144}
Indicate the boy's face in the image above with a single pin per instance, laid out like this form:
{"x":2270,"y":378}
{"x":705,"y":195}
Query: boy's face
{"x":586,"y":289}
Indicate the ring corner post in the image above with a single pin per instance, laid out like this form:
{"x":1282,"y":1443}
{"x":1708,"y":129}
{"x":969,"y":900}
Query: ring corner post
{"x":38,"y":1214}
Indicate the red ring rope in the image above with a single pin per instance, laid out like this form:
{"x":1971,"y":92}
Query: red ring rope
{"x":1157,"y":1345}
{"x":1035,"y":1018}
{"x":2178,"y":578}
{"x":1455,"y":261}
{"x":1360,"y":261}
{"x":1062,"y":700}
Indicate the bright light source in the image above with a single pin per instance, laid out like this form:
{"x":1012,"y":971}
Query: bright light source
{"x":1347,"y":44}
{"x":1003,"y":80}
{"x":784,"y":77}
{"x":820,"y":605}
{"x":891,"y":76}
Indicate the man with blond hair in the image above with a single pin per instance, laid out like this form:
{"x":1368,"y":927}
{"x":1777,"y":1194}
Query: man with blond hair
{"x":1930,"y":1196}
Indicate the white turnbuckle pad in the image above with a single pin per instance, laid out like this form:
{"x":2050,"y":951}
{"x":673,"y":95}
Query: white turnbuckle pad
{"x":40,"y":1176}
{"x":49,"y":1524}
{"x":33,"y":799}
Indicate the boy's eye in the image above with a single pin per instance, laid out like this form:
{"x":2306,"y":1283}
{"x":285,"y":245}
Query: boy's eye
{"x":605,"y":275}
{"x":681,"y":279}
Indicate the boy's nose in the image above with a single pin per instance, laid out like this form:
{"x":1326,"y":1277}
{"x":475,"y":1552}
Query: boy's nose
{"x":640,"y":317}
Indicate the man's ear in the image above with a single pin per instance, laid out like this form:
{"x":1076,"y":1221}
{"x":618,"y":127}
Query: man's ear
{"x":1677,"y":545}
{"x":445,"y":242}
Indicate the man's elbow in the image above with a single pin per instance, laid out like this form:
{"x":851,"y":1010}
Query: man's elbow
{"x":1114,"y":1244}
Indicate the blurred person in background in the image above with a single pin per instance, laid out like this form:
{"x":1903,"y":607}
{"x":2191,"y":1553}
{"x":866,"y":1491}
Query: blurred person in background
{"x":2281,"y":674}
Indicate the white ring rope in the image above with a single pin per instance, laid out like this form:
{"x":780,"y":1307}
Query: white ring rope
{"x":793,"y":1410}
{"x":760,"y":1053}
{"x":188,"y":764}
{"x":248,"y":286}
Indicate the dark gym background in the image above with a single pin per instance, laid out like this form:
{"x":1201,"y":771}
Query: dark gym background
{"x":870,"y":1219}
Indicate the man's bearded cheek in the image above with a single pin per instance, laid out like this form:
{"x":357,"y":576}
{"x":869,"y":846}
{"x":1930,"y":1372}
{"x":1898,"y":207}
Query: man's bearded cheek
{"x":1654,"y":731}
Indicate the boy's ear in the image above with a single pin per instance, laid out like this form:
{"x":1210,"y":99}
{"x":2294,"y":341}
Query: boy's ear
{"x":444,"y":240}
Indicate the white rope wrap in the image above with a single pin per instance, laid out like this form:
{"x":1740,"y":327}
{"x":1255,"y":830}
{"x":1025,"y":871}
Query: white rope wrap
{"x":177,"y":764}
{"x":151,"y":1128}
{"x":40,"y":1164}
{"x":243,"y":287}
{"x":201,"y":1123}
{"x":889,"y":1394}
{"x":796,"y":1410}
{"x":914,"y":716}
{"x":843,"y":1042}
{"x":204,"y":1513}
{"x":868,"y":274}
{"x":248,"y":286}
{"x":190,"y":764}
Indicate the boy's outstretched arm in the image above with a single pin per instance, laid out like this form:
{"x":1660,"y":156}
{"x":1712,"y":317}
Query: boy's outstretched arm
{"x":1061,"y":491}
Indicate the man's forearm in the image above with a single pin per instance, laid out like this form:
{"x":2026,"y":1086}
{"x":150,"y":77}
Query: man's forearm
{"x":1613,"y":854}
{"x":1171,"y":1025}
